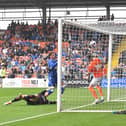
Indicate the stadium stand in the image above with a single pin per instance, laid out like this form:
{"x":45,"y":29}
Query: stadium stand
{"x":24,"y":48}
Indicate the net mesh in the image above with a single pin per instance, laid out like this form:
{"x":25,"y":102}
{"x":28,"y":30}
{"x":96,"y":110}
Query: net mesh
{"x":81,"y":41}
{"x":108,"y":27}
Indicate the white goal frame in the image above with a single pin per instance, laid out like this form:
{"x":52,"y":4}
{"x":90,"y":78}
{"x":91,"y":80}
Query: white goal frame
{"x":91,"y":27}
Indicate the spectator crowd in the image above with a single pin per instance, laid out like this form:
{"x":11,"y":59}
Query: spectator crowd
{"x":24,"y":49}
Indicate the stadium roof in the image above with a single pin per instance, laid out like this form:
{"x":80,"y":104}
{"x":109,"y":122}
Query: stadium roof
{"x":59,"y":3}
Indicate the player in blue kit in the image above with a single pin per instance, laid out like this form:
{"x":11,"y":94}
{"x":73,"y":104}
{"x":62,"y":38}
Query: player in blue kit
{"x":52,"y":70}
{"x":52,"y":74}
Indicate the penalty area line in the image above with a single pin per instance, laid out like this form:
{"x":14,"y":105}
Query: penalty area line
{"x":27,"y":118}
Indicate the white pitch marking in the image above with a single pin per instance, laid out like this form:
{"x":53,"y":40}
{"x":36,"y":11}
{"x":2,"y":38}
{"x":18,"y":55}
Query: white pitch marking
{"x":32,"y":117}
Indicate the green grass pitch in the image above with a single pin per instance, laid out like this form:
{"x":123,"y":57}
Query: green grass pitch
{"x":20,"y":114}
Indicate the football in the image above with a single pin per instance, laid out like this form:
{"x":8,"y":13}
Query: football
{"x":92,"y":43}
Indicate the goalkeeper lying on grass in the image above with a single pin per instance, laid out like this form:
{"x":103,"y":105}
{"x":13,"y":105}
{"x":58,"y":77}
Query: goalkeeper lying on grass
{"x":35,"y":99}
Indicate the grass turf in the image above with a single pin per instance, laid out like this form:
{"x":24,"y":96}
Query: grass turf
{"x":20,"y":111}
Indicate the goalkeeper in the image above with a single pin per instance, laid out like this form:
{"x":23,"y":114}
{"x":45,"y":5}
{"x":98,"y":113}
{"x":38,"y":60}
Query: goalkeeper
{"x":35,"y":99}
{"x":52,"y":74}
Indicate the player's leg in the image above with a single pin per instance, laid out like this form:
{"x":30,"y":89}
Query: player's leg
{"x":94,"y":94}
{"x":63,"y":85}
{"x":100,"y":92}
{"x":62,"y":88}
{"x":51,"y":85}
{"x":92,"y":90}
{"x":100,"y":89}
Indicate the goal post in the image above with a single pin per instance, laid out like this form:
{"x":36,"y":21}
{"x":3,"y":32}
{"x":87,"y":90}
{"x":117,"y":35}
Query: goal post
{"x":59,"y":75}
{"x":77,"y":43}
{"x":109,"y":67}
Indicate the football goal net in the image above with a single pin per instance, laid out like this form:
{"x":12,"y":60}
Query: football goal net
{"x":78,"y":44}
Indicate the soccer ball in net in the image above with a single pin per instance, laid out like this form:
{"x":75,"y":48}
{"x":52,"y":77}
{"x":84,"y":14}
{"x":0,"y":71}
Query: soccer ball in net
{"x":92,"y":43}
